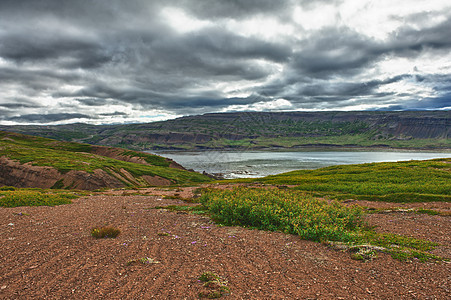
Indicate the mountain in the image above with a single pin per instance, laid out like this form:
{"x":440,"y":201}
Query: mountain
{"x":258,"y":130}
{"x":28,"y":161}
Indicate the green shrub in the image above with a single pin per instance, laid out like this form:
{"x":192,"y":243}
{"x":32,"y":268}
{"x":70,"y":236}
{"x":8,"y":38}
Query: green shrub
{"x":285,"y":210}
{"x":7,"y":188}
{"x":105,"y":232}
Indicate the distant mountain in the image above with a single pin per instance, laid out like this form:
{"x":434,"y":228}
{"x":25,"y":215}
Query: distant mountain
{"x":259,"y":130}
{"x":27,"y":161}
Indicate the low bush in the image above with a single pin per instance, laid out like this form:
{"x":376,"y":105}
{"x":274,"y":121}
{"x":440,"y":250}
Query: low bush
{"x":285,"y":210}
{"x":105,"y":232}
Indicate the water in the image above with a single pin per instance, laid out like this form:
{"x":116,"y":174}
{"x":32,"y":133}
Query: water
{"x":262,"y":163}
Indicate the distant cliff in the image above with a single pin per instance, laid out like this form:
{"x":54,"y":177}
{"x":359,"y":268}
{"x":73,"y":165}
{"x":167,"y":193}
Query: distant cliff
{"x":257,"y":130}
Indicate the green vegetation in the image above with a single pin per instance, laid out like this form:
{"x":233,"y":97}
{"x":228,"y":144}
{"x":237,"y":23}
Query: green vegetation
{"x":294,"y":212}
{"x":34,"y":197}
{"x":214,"y":286}
{"x":409,"y":181}
{"x":149,"y":158}
{"x":288,"y":211}
{"x":143,"y":261}
{"x":65,"y":156}
{"x":105,"y":232}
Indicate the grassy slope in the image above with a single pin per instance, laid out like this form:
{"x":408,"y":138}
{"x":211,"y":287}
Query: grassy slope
{"x":408,"y":181}
{"x":66,"y":156}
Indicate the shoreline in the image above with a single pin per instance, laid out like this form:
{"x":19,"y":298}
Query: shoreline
{"x":323,"y":148}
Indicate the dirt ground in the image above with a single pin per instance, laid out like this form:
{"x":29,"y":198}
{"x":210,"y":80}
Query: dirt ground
{"x":48,"y":253}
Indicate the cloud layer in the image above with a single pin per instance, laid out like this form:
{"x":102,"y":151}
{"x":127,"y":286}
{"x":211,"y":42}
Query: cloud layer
{"x":138,"y":61}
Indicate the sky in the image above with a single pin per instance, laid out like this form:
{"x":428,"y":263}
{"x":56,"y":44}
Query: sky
{"x":137,"y":61}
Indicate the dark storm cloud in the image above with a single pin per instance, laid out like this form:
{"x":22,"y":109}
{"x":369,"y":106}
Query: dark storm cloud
{"x":348,"y":89}
{"x":19,"y":104}
{"x":335,"y":51}
{"x":116,"y":113}
{"x":92,"y":101}
{"x":79,"y":53}
{"x":88,"y":54}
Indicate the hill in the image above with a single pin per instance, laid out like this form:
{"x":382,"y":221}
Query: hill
{"x":259,"y":130}
{"x":27,"y":161}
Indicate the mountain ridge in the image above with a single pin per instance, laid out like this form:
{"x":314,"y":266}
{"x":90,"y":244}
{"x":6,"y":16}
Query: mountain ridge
{"x":259,"y":130}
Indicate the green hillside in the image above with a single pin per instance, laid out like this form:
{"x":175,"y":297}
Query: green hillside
{"x":408,"y":181}
{"x":69,"y":156}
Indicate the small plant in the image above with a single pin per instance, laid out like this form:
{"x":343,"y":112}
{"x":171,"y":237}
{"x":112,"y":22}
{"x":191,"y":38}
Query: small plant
{"x":209,"y":276}
{"x":214,"y":286}
{"x":7,"y":188}
{"x":105,"y":232}
{"x":362,"y":253}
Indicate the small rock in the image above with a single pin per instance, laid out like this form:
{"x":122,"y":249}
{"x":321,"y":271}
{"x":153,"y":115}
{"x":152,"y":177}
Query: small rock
{"x":10,"y":224}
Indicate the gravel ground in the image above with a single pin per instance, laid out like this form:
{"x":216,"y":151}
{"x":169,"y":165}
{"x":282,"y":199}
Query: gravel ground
{"x":48,"y":253}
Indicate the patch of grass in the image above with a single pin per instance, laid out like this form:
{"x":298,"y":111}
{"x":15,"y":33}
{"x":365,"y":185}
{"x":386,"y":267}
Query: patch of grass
{"x":407,"y":181}
{"x":213,"y":286}
{"x":105,"y":232}
{"x":430,"y":212}
{"x":58,"y":185}
{"x":7,"y":188}
{"x":163,"y":234}
{"x":34,"y":197}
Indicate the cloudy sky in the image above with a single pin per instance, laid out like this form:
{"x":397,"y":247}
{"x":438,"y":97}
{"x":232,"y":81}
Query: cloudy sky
{"x":110,"y":61}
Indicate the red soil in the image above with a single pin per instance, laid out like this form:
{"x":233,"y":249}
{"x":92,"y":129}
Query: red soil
{"x":47,"y":252}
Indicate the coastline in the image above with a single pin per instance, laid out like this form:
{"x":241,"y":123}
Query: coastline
{"x":309,"y":148}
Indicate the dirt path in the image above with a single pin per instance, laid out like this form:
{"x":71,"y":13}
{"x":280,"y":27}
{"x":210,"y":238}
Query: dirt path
{"x":47,"y":252}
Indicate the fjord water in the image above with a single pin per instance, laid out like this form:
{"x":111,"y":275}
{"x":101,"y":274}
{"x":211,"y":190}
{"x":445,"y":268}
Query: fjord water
{"x":242,"y":164}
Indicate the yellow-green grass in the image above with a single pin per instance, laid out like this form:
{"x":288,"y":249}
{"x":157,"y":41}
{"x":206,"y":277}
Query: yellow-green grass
{"x":34,"y":197}
{"x":408,"y":181}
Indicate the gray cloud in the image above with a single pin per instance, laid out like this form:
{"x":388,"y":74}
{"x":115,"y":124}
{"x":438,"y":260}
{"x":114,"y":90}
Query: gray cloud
{"x":38,"y":118}
{"x":56,"y":55}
